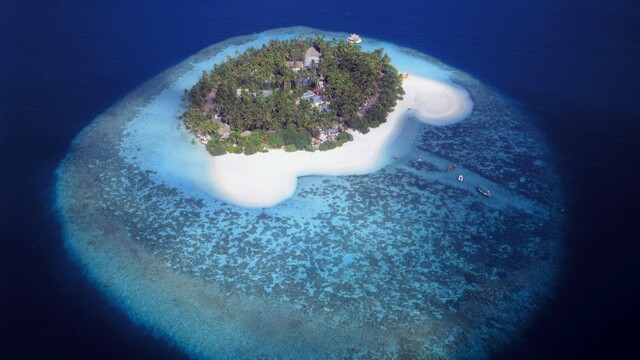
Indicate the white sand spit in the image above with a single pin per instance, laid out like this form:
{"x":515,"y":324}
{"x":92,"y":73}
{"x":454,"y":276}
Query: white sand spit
{"x":266,"y":179}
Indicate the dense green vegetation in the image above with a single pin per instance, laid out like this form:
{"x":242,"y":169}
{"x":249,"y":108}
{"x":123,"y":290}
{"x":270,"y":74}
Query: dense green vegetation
{"x":341,"y":139}
{"x":267,"y":91}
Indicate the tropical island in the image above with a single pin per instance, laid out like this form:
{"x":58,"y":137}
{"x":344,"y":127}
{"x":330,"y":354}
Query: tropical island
{"x":300,"y":94}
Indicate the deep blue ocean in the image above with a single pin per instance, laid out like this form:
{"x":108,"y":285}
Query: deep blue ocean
{"x":573,"y":65}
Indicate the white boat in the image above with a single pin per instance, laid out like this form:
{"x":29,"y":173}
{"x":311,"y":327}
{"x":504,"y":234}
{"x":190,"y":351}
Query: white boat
{"x":484,"y":192}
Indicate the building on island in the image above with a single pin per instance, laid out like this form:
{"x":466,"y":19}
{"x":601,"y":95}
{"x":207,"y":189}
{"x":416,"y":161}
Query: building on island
{"x":354,"y":39}
{"x":265,"y":93}
{"x":314,"y":98}
{"x":295,"y":65}
{"x":317,"y":100}
{"x":308,"y":95}
{"x":311,"y":56}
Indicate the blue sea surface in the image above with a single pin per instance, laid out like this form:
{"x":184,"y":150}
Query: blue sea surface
{"x":571,"y":64}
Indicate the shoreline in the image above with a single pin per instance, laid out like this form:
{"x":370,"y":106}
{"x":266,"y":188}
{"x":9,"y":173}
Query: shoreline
{"x":267,"y":179}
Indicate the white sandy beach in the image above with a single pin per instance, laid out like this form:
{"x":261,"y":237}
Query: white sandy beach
{"x":266,"y":179}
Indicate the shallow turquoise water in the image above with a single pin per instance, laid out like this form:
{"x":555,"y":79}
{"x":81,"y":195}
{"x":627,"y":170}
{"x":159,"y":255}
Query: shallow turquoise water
{"x":405,"y":261}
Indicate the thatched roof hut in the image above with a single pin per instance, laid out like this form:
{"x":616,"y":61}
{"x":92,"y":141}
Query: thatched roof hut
{"x":312,"y":55}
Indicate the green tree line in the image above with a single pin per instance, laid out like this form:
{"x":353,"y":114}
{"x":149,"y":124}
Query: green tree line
{"x":258,"y":91}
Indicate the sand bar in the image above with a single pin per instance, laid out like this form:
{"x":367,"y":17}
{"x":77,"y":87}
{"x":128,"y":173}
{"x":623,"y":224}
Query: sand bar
{"x":266,"y":179}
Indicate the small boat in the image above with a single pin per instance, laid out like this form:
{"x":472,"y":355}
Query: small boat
{"x":419,"y":160}
{"x":451,"y":167}
{"x":484,"y":192}
{"x":460,"y":178}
